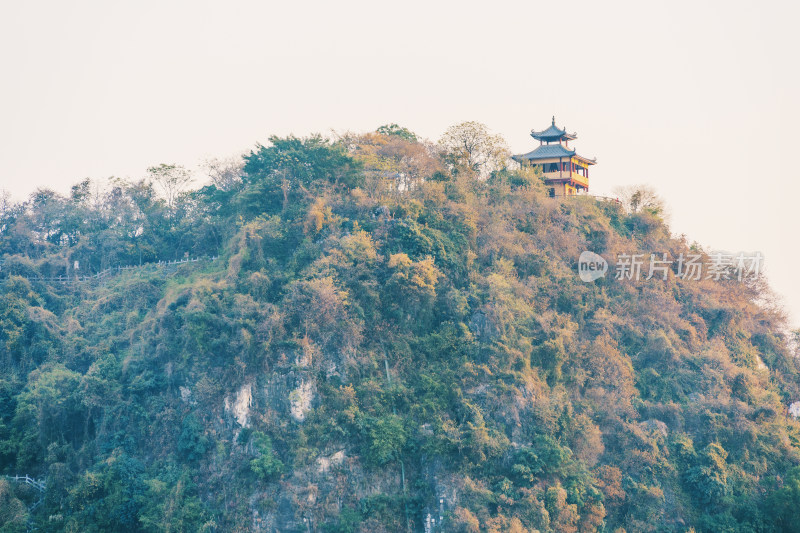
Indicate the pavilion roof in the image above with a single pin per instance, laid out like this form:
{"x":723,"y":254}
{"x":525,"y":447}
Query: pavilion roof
{"x":553,"y":133}
{"x":547,"y":151}
{"x":551,"y":151}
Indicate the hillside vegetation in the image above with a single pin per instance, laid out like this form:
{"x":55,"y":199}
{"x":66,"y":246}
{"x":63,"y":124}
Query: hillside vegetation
{"x":393,"y":337}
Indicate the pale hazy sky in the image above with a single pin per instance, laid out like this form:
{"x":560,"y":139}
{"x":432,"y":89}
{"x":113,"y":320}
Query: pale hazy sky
{"x":698,"y":99}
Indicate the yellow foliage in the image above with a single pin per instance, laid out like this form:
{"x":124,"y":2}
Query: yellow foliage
{"x":399,"y":163}
{"x":318,"y":216}
{"x":464,"y":521}
{"x":400,"y":260}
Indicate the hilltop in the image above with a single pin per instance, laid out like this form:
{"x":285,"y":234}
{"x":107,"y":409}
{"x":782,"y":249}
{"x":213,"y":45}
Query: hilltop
{"x":393,"y":336}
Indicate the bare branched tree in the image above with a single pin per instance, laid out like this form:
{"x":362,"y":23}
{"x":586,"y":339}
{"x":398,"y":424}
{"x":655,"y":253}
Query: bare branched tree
{"x":470,"y":147}
{"x":225,"y":172}
{"x":5,"y":202}
{"x":640,"y":198}
{"x":172,"y":180}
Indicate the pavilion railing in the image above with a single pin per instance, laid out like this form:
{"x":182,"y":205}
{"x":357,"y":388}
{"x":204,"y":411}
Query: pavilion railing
{"x":594,"y":196}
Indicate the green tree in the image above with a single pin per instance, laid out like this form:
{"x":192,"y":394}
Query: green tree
{"x":784,"y":502}
{"x":192,"y":443}
{"x":386,"y":437}
{"x":397,"y":131}
{"x":266,"y":466}
{"x":278,"y":174}
{"x":172,"y":506}
{"x":13,"y":512}
{"x":710,"y":475}
{"x":52,"y":407}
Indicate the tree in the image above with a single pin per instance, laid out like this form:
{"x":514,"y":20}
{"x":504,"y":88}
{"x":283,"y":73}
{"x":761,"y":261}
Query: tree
{"x":192,"y":443}
{"x":396,"y":162}
{"x":464,"y":521}
{"x":469,"y":147}
{"x":52,"y":404}
{"x":47,"y":211}
{"x":13,"y":514}
{"x":225,"y":173}
{"x":386,"y":437}
{"x":397,"y":131}
{"x":172,"y":506}
{"x":172,"y":180}
{"x":784,"y":503}
{"x":266,"y":466}
{"x":317,"y":308}
{"x":640,"y":198}
{"x":564,"y":515}
{"x":6,"y":204}
{"x":412,"y":286}
{"x":293,"y":168}
{"x":710,"y":475}
{"x":302,"y":161}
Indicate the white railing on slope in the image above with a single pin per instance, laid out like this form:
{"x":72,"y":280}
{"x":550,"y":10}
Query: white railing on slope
{"x":39,"y":484}
{"x":103,"y":274}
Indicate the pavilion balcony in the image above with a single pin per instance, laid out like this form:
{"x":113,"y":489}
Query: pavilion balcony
{"x":565,"y":175}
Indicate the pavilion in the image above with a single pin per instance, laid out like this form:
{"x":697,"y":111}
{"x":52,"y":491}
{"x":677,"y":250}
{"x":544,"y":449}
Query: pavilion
{"x":565,"y":172}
